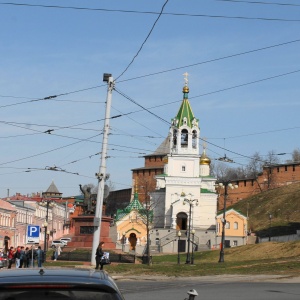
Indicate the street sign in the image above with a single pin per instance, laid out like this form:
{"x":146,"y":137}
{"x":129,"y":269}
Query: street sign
{"x":33,"y":234}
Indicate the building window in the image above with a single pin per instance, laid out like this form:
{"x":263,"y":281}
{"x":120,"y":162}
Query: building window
{"x":277,"y":169}
{"x":293,"y":168}
{"x":235,"y":243}
{"x":184,"y":138}
{"x":183,"y":168}
{"x":285,"y":168}
{"x":236,"y":225}
{"x":194,"y":139}
{"x":227,"y":226}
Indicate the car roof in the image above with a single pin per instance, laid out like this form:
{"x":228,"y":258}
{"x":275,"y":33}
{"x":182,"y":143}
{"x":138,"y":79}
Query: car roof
{"x":77,"y":277}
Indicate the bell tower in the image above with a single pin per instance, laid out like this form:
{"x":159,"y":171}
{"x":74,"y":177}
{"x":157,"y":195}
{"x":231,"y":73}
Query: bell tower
{"x":184,"y":131}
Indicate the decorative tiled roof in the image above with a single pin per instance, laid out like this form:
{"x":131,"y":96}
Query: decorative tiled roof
{"x":185,"y":112}
{"x":135,"y":204}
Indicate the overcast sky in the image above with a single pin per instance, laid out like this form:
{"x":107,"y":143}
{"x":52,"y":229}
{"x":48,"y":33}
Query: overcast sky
{"x":244,"y":65}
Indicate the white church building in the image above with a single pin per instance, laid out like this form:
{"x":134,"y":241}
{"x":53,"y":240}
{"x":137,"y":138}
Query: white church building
{"x":185,"y":199}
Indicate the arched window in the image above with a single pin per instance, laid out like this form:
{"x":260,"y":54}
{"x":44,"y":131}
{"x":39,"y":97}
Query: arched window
{"x":227,"y":226}
{"x":184,"y":138}
{"x":194,"y":139}
{"x":175,"y":137}
{"x":236,"y":225}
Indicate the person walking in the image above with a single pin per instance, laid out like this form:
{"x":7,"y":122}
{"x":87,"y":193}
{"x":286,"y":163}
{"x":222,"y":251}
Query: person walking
{"x":10,"y":256}
{"x":40,"y":256}
{"x":26,"y":257}
{"x":99,"y":255}
{"x":17,"y":257}
{"x":22,"y":256}
{"x":57,"y":252}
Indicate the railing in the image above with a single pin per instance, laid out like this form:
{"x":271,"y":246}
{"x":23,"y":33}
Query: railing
{"x":85,"y":256}
{"x":173,"y":236}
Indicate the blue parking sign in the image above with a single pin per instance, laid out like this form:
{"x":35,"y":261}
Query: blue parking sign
{"x":33,"y":234}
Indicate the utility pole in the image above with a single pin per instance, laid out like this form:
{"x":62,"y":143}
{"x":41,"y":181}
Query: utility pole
{"x":102,"y":171}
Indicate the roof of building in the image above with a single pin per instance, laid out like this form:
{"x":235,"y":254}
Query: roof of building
{"x":185,"y":111}
{"x":6,"y":205}
{"x":135,"y":204}
{"x":52,"y":189}
{"x":163,"y":148}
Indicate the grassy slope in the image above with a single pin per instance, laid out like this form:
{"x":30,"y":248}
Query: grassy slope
{"x":284,"y":205}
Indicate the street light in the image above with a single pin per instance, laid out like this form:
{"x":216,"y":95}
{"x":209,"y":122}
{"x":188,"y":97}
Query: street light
{"x":190,"y":202}
{"x":193,"y":234}
{"x":225,"y":186}
{"x":46,"y":203}
{"x":123,"y":241}
{"x":178,"y":256}
{"x":270,"y":225}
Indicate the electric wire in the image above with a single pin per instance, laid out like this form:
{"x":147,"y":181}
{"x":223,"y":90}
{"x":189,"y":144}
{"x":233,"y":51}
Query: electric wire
{"x":260,"y":2}
{"x":147,"y":37}
{"x":152,"y":12}
{"x":52,"y":98}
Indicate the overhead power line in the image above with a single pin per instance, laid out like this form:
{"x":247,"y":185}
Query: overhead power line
{"x":147,"y":37}
{"x":52,"y":98}
{"x":260,"y":2}
{"x":152,"y":12}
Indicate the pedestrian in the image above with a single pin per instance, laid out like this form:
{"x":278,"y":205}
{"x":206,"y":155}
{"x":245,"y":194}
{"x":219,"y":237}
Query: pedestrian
{"x":22,"y":255}
{"x":26,"y":257}
{"x":17,"y":257}
{"x":10,"y":256}
{"x":40,"y":256}
{"x":99,"y":255}
{"x":57,"y":252}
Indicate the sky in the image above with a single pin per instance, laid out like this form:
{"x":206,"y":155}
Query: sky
{"x":243,"y":60}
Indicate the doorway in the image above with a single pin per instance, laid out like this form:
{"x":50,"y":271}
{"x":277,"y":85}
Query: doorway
{"x":181,"y":222}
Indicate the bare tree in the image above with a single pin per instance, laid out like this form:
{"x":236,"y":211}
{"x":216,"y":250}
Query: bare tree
{"x":296,"y":155}
{"x":255,"y":165}
{"x":272,"y":160}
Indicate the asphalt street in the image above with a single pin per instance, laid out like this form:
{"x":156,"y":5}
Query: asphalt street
{"x":210,"y":288}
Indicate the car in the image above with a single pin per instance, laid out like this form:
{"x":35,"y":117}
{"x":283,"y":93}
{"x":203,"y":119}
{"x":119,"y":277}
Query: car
{"x":3,"y":261}
{"x":66,"y":240}
{"x":57,"y":243}
{"x":57,"y":283}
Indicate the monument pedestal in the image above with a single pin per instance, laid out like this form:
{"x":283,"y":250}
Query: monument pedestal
{"x":84,"y":232}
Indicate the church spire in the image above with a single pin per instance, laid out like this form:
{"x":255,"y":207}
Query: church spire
{"x":185,"y":114}
{"x":184,"y":131}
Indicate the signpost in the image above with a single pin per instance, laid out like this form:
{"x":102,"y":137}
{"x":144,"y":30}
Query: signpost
{"x":33,"y":234}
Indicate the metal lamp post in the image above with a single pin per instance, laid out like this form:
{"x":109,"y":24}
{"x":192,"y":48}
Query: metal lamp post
{"x":178,"y":256}
{"x":191,"y":204}
{"x":224,"y":185}
{"x":193,"y":234}
{"x":123,"y":241}
{"x":270,"y":225}
{"x":46,"y":203}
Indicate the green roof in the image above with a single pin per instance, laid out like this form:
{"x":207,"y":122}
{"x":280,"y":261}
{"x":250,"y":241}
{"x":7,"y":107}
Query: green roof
{"x":135,"y":204}
{"x":206,"y":191}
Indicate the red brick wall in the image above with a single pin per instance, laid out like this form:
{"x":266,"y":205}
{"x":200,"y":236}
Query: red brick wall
{"x":272,"y":177}
{"x":154,"y":161}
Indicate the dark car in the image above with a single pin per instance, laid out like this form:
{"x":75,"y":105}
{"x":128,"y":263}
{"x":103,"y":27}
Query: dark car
{"x":43,"y":284}
{"x":3,"y":261}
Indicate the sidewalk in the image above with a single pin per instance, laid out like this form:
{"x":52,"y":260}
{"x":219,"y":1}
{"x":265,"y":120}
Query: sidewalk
{"x":213,"y":278}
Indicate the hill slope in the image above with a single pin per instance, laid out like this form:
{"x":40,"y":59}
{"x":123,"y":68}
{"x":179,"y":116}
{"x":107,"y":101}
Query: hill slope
{"x":282,"y":203}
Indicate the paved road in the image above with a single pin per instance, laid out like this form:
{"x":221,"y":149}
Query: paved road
{"x":211,"y":288}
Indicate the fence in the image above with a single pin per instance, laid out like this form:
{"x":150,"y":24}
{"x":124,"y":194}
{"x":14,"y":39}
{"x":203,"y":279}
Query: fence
{"x":86,"y":256}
